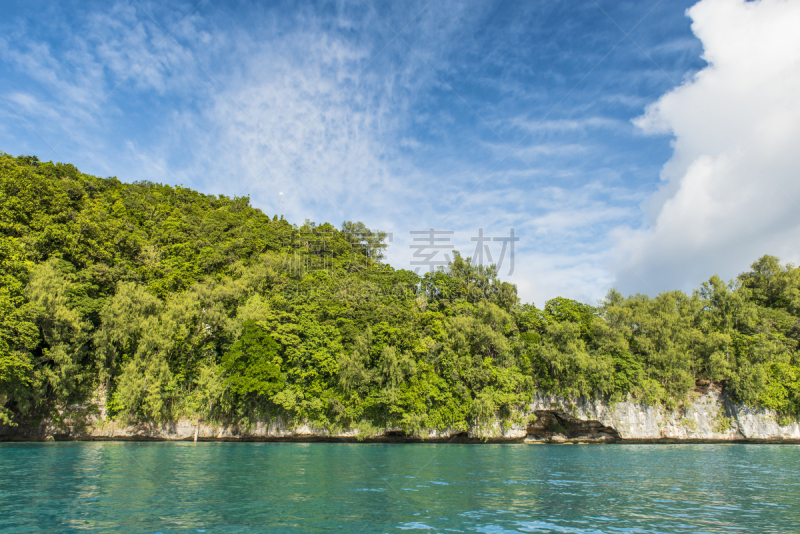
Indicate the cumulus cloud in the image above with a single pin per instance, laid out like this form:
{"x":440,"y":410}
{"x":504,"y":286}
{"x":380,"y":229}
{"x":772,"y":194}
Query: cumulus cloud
{"x":731,"y":191}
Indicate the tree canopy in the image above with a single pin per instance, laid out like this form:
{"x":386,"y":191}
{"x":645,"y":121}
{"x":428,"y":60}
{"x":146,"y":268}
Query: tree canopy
{"x":172,"y":303}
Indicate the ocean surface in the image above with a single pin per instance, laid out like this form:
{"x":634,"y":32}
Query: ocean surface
{"x":323,"y":487}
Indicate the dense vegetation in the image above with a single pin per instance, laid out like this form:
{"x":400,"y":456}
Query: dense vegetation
{"x":178,"y":304}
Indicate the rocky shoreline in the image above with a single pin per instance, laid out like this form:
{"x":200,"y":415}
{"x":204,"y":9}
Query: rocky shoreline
{"x":709,"y":417}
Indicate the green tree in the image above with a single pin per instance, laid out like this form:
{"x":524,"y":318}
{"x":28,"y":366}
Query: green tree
{"x":253,"y":364}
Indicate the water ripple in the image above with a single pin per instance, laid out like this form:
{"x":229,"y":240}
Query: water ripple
{"x":252,"y":487}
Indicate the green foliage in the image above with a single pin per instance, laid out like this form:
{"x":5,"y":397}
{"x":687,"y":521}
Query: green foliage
{"x":177,"y":304}
{"x":722,"y":424}
{"x":252,"y":364}
{"x":560,"y":310}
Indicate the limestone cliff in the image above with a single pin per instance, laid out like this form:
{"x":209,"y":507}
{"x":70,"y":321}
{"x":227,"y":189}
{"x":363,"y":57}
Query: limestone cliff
{"x":709,"y":417}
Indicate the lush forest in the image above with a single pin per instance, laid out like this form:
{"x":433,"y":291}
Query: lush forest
{"x":171,"y":303}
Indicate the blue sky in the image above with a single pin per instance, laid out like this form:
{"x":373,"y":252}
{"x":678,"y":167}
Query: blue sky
{"x":545,"y":117}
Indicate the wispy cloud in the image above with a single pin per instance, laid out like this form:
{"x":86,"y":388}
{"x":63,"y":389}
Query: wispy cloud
{"x":327,"y":103}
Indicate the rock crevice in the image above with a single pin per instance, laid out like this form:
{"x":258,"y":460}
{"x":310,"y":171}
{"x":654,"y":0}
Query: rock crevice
{"x":554,"y":426}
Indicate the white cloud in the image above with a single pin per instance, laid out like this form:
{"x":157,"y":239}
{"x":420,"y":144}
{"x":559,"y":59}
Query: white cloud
{"x":731,"y":191}
{"x":79,"y":80}
{"x":540,"y":277}
{"x":299,"y":103}
{"x":570,"y":125}
{"x":299,"y":118}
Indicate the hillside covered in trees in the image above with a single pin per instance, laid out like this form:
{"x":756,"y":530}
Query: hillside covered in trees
{"x":177,"y":304}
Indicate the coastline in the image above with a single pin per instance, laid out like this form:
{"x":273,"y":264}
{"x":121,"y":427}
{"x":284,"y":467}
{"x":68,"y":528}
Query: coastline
{"x":711,"y":417}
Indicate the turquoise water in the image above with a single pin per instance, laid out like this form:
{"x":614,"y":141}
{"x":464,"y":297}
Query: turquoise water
{"x":276,"y":487}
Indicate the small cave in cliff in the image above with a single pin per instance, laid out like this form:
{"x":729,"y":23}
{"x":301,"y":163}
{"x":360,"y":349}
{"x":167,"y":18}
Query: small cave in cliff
{"x":558,"y":425}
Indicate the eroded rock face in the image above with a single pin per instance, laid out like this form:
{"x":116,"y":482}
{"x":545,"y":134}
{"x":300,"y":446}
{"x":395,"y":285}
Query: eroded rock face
{"x":710,"y":416}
